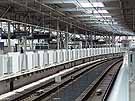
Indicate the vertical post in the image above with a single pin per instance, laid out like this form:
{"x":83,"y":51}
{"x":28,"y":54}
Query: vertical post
{"x":109,"y":43}
{"x":25,"y":44}
{"x":60,"y":43}
{"x":25,"y":41}
{"x":91,"y":44}
{"x":113,"y":43}
{"x":66,"y":41}
{"x":95,"y":44}
{"x":58,"y":36}
{"x":106,"y":45}
{"x":66,"y":38}
{"x":9,"y":33}
{"x":32,"y":30}
{"x":86,"y":39}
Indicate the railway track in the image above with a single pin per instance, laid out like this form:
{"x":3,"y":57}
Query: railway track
{"x":101,"y":87}
{"x":54,"y":91}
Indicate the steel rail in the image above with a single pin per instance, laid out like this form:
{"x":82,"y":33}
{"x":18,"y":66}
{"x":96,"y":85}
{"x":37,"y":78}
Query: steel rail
{"x":91,"y":92}
{"x":66,"y":79}
{"x":71,"y":79}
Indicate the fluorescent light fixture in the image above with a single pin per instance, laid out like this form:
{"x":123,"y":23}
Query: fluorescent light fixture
{"x":103,"y":23}
{"x":100,"y":11}
{"x":98,"y":16}
{"x":97,"y":11}
{"x":86,"y":5}
{"x":101,"y":19}
{"x":98,"y":4}
{"x":111,"y":23}
{"x":93,"y":4}
{"x":77,"y":36}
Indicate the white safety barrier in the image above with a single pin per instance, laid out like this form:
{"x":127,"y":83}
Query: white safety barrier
{"x":5,"y":64}
{"x":55,"y":57}
{"x":8,"y":65}
{"x":23,"y":62}
{"x":15,"y":61}
{"x":64,"y":54}
{"x":19,"y":62}
{"x":46,"y":58}
{"x":29,"y":57}
{"x":35,"y":60}
{"x":50,"y":53}
{"x":58,"y":55}
{"x":41,"y":58}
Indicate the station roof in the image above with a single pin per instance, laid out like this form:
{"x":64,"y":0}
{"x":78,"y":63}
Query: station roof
{"x":101,"y":16}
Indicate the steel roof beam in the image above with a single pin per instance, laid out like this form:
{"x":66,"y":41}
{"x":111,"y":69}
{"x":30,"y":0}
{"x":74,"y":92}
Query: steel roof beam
{"x":71,"y":1}
{"x":90,"y":15}
{"x":88,"y":8}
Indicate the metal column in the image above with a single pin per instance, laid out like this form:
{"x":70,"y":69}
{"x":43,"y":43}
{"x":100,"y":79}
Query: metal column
{"x":66,"y":42}
{"x":9,"y":34}
{"x":25,"y":40}
{"x":66,"y":38}
{"x":86,"y":39}
{"x":58,"y":36}
{"x":32,"y":30}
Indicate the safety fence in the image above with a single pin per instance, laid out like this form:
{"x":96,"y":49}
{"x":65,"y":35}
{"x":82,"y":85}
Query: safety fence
{"x":15,"y":62}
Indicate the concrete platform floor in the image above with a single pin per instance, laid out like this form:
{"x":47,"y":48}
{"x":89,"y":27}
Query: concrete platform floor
{"x":132,"y":91}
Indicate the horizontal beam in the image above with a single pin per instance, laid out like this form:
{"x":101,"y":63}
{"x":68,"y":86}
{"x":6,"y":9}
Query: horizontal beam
{"x":71,"y":1}
{"x":91,"y":15}
{"x":88,"y":8}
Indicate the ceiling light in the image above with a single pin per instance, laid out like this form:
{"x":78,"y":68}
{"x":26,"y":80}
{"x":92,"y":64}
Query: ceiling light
{"x":86,"y":5}
{"x":99,"y":16}
{"x":94,"y":4}
{"x":98,"y":4}
{"x":100,"y":11}
{"x":111,"y":23}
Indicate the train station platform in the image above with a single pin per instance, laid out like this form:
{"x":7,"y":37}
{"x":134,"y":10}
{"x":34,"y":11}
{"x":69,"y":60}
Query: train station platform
{"x":38,"y":83}
{"x":55,"y":61}
{"x":132,"y":91}
{"x":131,"y":75}
{"x":124,"y":88}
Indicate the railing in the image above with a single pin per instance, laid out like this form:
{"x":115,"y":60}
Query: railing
{"x":14,"y":62}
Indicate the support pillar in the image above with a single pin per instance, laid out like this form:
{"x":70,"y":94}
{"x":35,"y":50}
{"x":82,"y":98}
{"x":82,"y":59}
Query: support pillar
{"x":32,"y":30}
{"x":25,"y":44}
{"x":91,"y":40}
{"x":25,"y":40}
{"x":9,"y":35}
{"x":58,"y":36}
{"x":66,"y":38}
{"x":86,"y":40}
{"x":66,"y":42}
